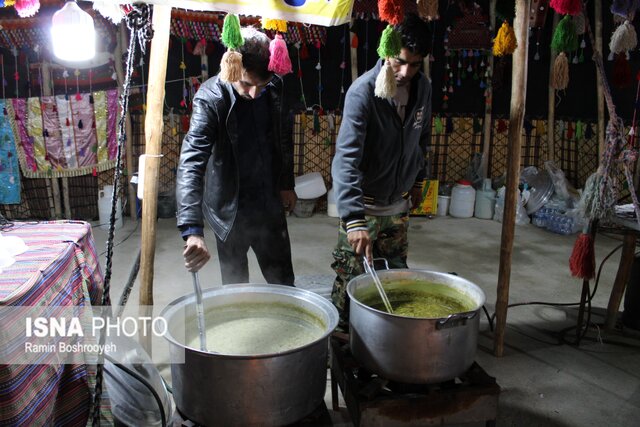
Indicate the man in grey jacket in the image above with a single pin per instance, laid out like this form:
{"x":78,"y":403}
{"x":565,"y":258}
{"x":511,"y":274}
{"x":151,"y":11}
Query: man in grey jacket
{"x":236,"y":170}
{"x":378,"y":168}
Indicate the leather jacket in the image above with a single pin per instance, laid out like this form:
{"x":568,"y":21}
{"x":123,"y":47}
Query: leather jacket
{"x":207,"y":176}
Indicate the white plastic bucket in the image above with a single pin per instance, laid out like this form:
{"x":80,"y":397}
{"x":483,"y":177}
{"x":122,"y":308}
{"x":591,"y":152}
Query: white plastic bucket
{"x":104,"y":208}
{"x":443,"y":205}
{"x":463,"y":197}
{"x":485,"y":204}
{"x":332,"y":209}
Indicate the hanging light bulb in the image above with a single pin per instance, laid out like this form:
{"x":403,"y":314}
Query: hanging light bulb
{"x":73,"y":34}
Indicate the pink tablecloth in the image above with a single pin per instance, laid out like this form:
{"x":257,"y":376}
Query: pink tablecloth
{"x":60,"y":268}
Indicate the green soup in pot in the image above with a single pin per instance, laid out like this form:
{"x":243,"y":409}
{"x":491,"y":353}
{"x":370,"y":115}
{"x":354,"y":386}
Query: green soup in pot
{"x":418,"y":298}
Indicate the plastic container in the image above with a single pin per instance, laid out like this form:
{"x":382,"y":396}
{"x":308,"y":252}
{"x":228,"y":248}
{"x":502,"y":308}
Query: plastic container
{"x":485,"y":201}
{"x":104,"y":208}
{"x":463,"y":197}
{"x":332,"y":209}
{"x":310,"y":186}
{"x":443,"y":205}
{"x":540,"y":187}
{"x":304,"y":207}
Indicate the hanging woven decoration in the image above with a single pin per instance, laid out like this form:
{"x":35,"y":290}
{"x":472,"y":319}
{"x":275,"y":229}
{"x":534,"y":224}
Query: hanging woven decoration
{"x":231,"y":63}
{"x":624,"y":38}
{"x":428,"y":9}
{"x":564,"y":40}
{"x":279,"y":25}
{"x":279,"y":61}
{"x":389,"y":47}
{"x":26,"y":8}
{"x":566,"y":7}
{"x":505,"y":42}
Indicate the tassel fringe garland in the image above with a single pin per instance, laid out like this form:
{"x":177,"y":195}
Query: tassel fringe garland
{"x":560,"y":77}
{"x":505,"y":42}
{"x":390,"y":43}
{"x":624,"y":38}
{"x":26,"y":8}
{"x":279,"y":61}
{"x":391,"y":11}
{"x":565,"y":38}
{"x":386,"y":84}
{"x":566,"y":7}
{"x":279,"y":25}
{"x":231,"y":66}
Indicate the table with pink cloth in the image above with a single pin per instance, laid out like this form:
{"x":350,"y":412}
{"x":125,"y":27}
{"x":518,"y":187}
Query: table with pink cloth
{"x":60,"y":268}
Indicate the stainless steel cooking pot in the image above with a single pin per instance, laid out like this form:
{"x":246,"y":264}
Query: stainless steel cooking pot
{"x":408,"y":349}
{"x":248,"y":390}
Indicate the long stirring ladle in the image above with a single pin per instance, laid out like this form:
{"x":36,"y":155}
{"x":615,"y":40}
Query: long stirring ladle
{"x":202,"y":331}
{"x":370,"y":270}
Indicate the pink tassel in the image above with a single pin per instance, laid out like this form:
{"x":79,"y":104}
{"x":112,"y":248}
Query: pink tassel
{"x":26,"y":8}
{"x":279,"y":61}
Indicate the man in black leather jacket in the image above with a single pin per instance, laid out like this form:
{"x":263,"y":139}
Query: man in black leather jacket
{"x":236,"y":170}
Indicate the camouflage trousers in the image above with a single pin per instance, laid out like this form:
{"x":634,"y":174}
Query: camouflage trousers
{"x":389,"y":238}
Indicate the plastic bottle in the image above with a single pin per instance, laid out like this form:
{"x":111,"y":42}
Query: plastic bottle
{"x":485,"y":201}
{"x":463,"y":197}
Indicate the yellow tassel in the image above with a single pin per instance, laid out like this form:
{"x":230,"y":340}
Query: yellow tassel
{"x":540,"y":129}
{"x":9,"y":3}
{"x":231,"y":66}
{"x":279,"y":25}
{"x":505,"y":42}
{"x":560,"y":77}
{"x":386,"y":85}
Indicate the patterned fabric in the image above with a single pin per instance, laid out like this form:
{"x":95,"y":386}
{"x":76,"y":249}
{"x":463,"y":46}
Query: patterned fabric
{"x":60,"y":269}
{"x":389,"y":237}
{"x":58,"y":136}
{"x":9,"y":170}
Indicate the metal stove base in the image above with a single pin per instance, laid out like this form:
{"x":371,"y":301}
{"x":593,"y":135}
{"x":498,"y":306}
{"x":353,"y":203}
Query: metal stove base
{"x":374,"y":401}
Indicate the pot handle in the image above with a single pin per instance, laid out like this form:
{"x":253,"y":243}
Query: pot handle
{"x":386,"y":263}
{"x":457,"y":319}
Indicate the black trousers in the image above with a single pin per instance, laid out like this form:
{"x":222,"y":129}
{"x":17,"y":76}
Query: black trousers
{"x":266,"y":233}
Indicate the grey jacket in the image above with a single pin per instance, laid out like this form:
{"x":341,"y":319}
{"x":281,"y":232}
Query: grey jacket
{"x":377,"y":155}
{"x":207,"y":177}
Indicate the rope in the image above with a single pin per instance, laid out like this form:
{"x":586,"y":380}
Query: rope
{"x":606,"y":185}
{"x":139,"y":24}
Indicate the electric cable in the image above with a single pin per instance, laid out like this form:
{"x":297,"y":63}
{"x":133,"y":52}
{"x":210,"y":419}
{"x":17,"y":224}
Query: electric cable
{"x":143,"y":381}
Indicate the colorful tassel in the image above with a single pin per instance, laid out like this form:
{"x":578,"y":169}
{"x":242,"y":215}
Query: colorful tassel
{"x":391,"y":11}
{"x":386,"y":85}
{"x":624,"y":8}
{"x":540,"y":129}
{"x":390,"y":43}
{"x":582,"y":262}
{"x":354,"y":41}
{"x":278,"y":25}
{"x":622,"y":77}
{"x":438,"y":126}
{"x":565,"y":38}
{"x":428,"y":9}
{"x":624,"y":38}
{"x":26,"y":8}
{"x":566,"y":7}
{"x":560,"y":77}
{"x":505,"y":42}
{"x":279,"y":61}
{"x":231,"y":66}
{"x":110,"y":10}
{"x":231,"y":36}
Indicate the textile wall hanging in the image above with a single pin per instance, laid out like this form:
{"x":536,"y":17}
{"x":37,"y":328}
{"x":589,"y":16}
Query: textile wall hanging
{"x":9,"y":170}
{"x":58,"y":136}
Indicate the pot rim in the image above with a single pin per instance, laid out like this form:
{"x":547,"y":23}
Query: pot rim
{"x":383,"y":273}
{"x":253,"y":288}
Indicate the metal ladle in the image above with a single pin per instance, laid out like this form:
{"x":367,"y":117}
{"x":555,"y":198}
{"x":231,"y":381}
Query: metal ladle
{"x":371,"y":270}
{"x":202,"y":330}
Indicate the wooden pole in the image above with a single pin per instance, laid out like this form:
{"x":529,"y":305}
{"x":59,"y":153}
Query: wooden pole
{"x":487,"y":125}
{"x":153,"y":138}
{"x":622,"y":277}
{"x":516,"y":118}
{"x":551,"y":114}
{"x":599,"y":80}
{"x":121,"y":40}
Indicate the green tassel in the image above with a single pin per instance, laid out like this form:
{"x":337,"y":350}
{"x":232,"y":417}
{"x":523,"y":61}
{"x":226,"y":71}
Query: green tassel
{"x":565,"y":38}
{"x":231,"y":36}
{"x":579,"y":130}
{"x":390,"y":43}
{"x":438,"y":125}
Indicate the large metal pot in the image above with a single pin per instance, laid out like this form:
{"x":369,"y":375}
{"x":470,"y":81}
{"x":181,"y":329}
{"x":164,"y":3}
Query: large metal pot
{"x":248,"y":390}
{"x":408,"y":349}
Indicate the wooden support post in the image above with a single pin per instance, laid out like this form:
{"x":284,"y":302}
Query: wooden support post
{"x":487,"y":124}
{"x":354,"y":57}
{"x":622,"y":277}
{"x":153,"y":137}
{"x":599,"y":80}
{"x":551,"y":114}
{"x":65,"y":197}
{"x":516,"y":119}
{"x":121,"y":41}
